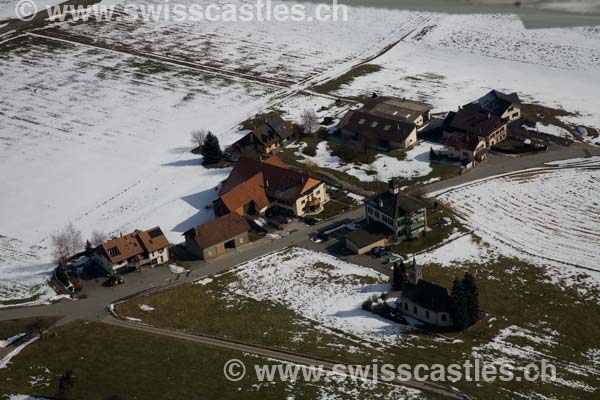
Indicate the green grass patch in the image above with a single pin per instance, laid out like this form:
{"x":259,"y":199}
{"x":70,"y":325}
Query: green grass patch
{"x":347,"y":78}
{"x":14,"y":327}
{"x":440,"y":231}
{"x":210,"y":309}
{"x":113,"y":362}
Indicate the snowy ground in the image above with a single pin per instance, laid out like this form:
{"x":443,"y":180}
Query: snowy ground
{"x":331,"y":295}
{"x":414,"y":165}
{"x":457,"y":58}
{"x":548,"y":217}
{"x":102,"y":140}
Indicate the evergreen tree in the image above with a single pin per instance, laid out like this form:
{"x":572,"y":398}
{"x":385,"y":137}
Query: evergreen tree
{"x":399,"y":276}
{"x":472,"y":297}
{"x":458,"y":305}
{"x":88,"y":248}
{"x":65,"y":386}
{"x":432,"y":155}
{"x":211,"y":149}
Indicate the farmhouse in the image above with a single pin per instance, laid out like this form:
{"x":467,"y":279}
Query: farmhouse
{"x":135,"y":250}
{"x":264,"y":139}
{"x":385,"y":122}
{"x":413,"y":112}
{"x":423,"y":300}
{"x":504,"y":106}
{"x":218,"y":236}
{"x":488,"y":127}
{"x":391,"y":217}
{"x":404,"y":215}
{"x":255,"y":186}
{"x":466,"y":148}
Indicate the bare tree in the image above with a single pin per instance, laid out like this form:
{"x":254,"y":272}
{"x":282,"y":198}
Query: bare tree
{"x":66,"y":243}
{"x":198,"y":137}
{"x":98,"y":237}
{"x":310,"y":122}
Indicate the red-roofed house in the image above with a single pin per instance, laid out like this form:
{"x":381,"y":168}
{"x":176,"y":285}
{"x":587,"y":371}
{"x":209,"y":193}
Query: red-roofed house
{"x":133,"y":251}
{"x":254,"y":186}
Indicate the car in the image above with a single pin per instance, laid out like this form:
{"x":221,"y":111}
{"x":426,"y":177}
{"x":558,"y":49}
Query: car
{"x":114,"y":280}
{"x":392,"y":259}
{"x":310,"y":221}
{"x":380,"y":252}
{"x":316,"y":239}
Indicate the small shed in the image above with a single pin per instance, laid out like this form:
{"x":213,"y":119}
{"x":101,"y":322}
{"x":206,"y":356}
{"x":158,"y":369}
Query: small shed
{"x":363,"y":240}
{"x":217,"y":237}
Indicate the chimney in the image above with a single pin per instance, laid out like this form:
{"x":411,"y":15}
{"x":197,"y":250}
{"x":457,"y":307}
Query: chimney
{"x":380,"y":203}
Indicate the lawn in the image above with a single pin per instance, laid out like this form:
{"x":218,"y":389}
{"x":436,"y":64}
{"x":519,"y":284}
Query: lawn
{"x":442,"y":225}
{"x":116,"y":363}
{"x":204,"y":309}
{"x":526,"y":318}
{"x":16,"y":326}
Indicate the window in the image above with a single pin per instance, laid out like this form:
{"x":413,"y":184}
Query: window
{"x":406,"y":306}
{"x":427,"y":314}
{"x":361,"y":121}
{"x":387,"y":128}
{"x":443,"y":317}
{"x":415,"y":310}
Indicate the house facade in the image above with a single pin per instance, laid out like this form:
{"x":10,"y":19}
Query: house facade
{"x":424,"y":301}
{"x":466,"y":148}
{"x":385,"y":122}
{"x":254,"y":186}
{"x":403,"y":215}
{"x":264,"y":139}
{"x":486,"y":126}
{"x":502,"y":105}
{"x":134,"y":251}
{"x":217,"y":237}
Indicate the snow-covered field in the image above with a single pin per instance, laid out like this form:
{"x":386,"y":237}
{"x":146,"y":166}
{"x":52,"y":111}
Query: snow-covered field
{"x":321,"y":288}
{"x":457,"y":58}
{"x":414,"y":165}
{"x":546,"y":217}
{"x":102,"y":140}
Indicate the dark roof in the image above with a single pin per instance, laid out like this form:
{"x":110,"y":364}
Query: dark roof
{"x":472,"y":122}
{"x":396,"y":108}
{"x":368,"y":234}
{"x":427,"y":295}
{"x":267,"y":133}
{"x":461,"y":141}
{"x":379,"y":127}
{"x":494,"y":102}
{"x":395,"y":205}
{"x":219,"y":230}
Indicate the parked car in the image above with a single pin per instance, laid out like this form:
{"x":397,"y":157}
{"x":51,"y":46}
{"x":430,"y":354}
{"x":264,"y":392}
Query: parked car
{"x":392,"y":259}
{"x":315,"y":238}
{"x":310,"y":221}
{"x":114,"y":280}
{"x":379,"y":252}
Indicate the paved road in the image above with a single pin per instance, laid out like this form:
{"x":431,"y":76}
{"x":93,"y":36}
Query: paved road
{"x":497,"y":164}
{"x":94,"y":307}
